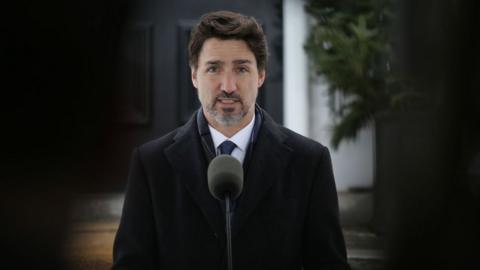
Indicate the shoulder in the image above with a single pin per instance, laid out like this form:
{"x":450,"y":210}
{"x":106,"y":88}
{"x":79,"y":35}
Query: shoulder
{"x":158,"y":144}
{"x":301,"y":144}
{"x":155,"y":149}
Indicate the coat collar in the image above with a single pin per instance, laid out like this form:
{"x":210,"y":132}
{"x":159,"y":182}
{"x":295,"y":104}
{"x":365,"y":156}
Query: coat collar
{"x":189,"y":162}
{"x":266,"y":164}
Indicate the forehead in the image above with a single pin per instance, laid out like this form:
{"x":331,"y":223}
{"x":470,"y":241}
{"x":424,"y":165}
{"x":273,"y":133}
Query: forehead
{"x":229,"y":50}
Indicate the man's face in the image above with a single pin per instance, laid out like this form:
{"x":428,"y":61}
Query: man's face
{"x":227,"y":80}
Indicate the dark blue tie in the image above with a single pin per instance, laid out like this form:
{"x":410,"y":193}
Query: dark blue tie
{"x":226,"y":148}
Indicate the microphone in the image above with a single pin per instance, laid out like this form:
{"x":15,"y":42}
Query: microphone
{"x":225,"y":176}
{"x":225,"y":182}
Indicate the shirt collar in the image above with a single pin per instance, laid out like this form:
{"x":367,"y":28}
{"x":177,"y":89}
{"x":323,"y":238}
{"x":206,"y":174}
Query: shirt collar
{"x":241,"y":138}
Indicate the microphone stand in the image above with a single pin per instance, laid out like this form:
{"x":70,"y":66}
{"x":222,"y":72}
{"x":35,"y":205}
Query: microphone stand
{"x":228,"y":229}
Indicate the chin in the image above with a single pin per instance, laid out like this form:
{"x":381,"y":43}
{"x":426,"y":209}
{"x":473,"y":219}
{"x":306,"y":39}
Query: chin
{"x":229,"y":119}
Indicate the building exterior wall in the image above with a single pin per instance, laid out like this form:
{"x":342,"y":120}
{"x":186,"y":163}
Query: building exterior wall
{"x":307,"y":111}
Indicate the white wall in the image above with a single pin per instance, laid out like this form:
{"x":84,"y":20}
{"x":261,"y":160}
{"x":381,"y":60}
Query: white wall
{"x":295,"y":92}
{"x":306,"y":108}
{"x":353,"y":160}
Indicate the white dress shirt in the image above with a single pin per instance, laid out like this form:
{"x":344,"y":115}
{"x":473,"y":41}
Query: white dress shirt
{"x":241,"y":140}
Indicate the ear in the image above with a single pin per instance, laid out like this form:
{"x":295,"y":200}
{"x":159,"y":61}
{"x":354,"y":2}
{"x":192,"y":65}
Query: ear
{"x":261,"y":78}
{"x":194,"y":76}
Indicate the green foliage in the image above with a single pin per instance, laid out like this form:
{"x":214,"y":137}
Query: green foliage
{"x":349,"y":44}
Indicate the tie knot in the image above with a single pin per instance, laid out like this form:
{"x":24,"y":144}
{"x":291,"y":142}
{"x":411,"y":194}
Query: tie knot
{"x":226,"y":147}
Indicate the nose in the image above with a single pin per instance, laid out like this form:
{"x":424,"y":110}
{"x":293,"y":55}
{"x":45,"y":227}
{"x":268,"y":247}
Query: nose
{"x":229,"y":83}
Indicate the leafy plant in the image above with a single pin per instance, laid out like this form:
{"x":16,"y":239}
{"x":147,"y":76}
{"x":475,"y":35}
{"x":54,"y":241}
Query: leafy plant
{"x":350,"y":45}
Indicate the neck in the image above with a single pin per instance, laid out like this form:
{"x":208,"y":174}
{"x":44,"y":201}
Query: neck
{"x":229,"y":131}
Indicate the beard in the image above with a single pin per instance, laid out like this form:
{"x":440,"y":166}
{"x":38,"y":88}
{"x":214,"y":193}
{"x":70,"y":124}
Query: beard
{"x":227,"y":116}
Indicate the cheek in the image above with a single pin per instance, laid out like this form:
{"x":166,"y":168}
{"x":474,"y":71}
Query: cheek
{"x":206,"y":96}
{"x":211,"y":81}
{"x":250,"y":96}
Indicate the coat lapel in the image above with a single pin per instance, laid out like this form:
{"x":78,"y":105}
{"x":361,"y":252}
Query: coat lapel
{"x":269,"y":159}
{"x":188,"y":160}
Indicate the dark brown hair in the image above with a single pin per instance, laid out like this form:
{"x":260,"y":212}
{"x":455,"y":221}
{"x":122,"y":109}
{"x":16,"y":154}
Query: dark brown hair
{"x":228,"y":25}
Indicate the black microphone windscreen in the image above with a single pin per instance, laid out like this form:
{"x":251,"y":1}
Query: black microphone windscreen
{"x":225,"y":174}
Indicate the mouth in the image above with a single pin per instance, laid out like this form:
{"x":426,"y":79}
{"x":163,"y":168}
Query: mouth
{"x":227,"y":101}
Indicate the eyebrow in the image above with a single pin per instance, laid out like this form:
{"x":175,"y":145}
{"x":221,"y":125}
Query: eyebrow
{"x":236,"y":62}
{"x":242,"y":61}
{"x":216,"y":63}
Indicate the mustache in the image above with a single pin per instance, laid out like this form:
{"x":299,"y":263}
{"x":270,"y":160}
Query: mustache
{"x":232,"y":95}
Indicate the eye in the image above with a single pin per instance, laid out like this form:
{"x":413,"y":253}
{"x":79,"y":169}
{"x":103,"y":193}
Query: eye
{"x":242,"y":70}
{"x":212,"y":69}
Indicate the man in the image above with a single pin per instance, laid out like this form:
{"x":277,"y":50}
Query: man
{"x":287,"y":214}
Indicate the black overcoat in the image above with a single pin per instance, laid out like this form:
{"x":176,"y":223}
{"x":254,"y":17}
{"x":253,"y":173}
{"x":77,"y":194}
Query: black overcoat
{"x":286,"y":218}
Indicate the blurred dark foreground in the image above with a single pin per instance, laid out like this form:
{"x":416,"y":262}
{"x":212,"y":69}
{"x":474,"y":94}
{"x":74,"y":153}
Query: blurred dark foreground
{"x":437,"y":189}
{"x":58,"y":78}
